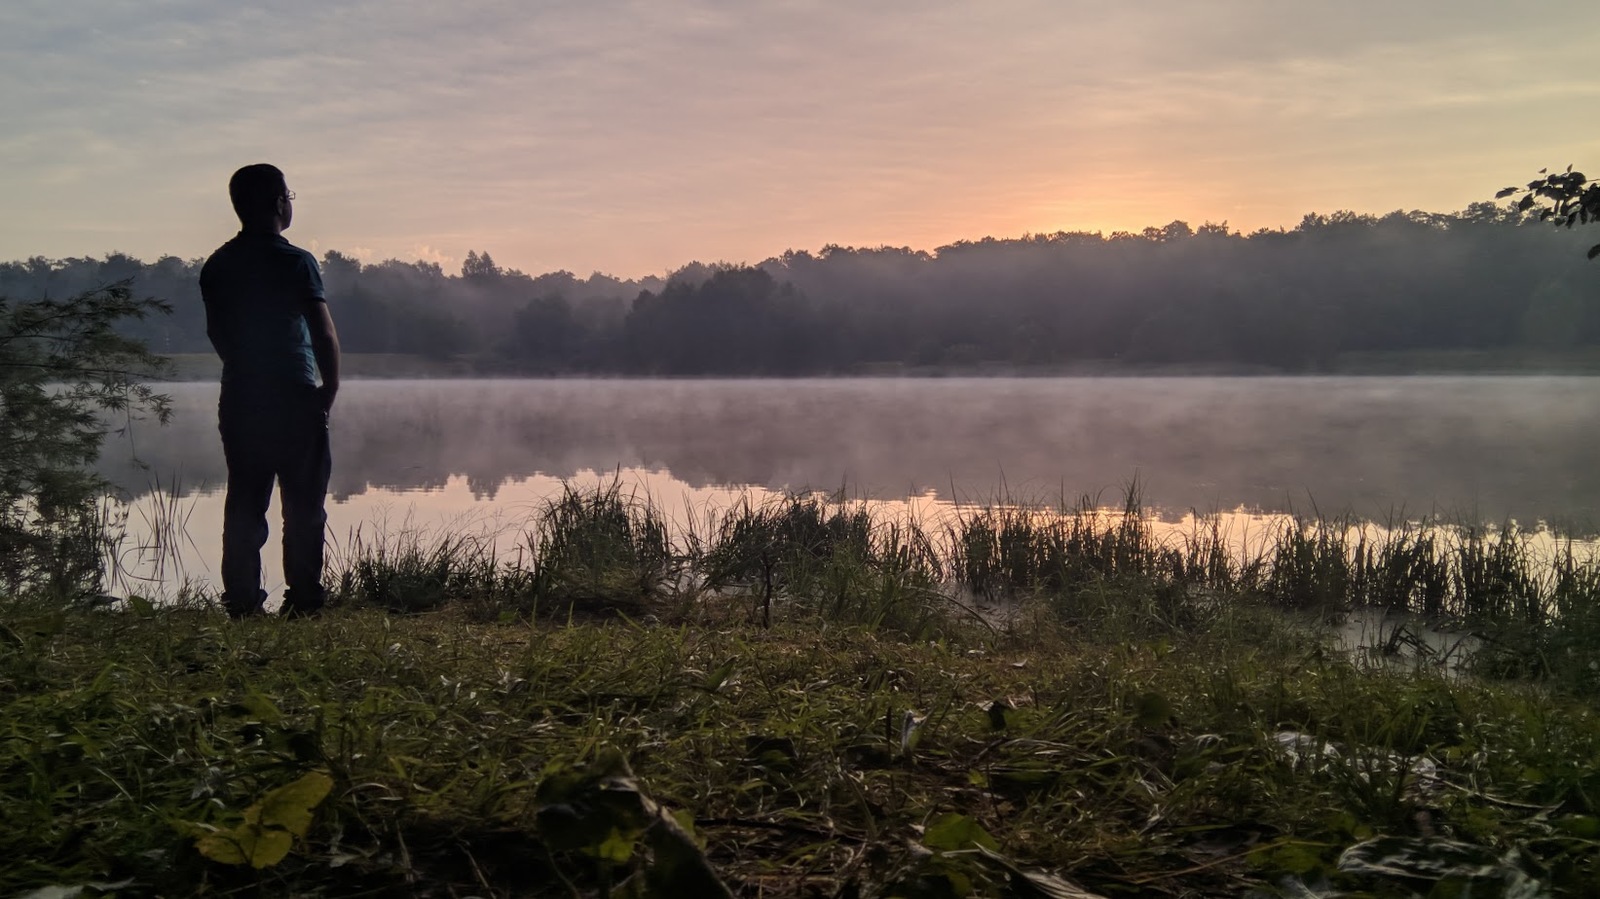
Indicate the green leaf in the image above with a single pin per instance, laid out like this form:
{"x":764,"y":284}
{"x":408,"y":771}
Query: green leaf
{"x":681,"y":867}
{"x":593,"y":810}
{"x":1583,"y":826}
{"x":247,"y":844}
{"x":1294,"y":858}
{"x":1152,"y":710}
{"x":617,"y":847}
{"x":1594,"y":251}
{"x":270,"y":827}
{"x":717,"y":678}
{"x":601,"y":812}
{"x":953,"y":832}
{"x":290,"y":806}
{"x":262,"y":708}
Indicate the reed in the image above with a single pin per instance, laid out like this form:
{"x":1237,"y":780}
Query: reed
{"x":414,"y":571}
{"x":598,"y":550}
{"x":1107,"y":573}
{"x":816,"y":557}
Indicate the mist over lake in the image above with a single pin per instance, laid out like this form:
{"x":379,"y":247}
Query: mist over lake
{"x":1484,"y":449}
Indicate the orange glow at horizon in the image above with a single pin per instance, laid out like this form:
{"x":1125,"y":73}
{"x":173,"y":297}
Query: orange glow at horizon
{"x":563,"y":136}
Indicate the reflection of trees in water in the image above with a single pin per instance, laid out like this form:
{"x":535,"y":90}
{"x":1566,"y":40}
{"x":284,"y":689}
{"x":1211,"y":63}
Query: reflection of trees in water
{"x":1481,"y":447}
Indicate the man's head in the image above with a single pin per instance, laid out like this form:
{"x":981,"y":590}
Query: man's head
{"x":261,"y":197}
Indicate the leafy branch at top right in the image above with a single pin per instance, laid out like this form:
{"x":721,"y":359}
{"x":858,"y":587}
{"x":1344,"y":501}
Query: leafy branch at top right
{"x":1572,"y":199}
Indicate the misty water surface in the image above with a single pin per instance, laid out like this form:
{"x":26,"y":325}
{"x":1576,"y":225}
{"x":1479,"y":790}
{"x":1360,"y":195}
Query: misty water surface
{"x":1476,"y":447}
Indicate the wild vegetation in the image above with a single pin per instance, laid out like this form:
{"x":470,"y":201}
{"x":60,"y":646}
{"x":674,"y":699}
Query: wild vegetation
{"x":1335,"y":291}
{"x":805,"y":698}
{"x":63,"y":364}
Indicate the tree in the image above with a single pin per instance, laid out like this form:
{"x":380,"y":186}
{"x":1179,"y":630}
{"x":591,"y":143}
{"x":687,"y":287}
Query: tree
{"x":545,"y":337}
{"x":478,"y":267}
{"x":1566,"y":198}
{"x":63,"y":365}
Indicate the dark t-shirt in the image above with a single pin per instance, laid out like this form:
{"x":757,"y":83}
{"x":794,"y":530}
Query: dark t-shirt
{"x":258,"y":289}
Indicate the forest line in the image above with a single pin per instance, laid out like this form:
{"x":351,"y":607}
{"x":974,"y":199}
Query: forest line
{"x":1485,"y":279}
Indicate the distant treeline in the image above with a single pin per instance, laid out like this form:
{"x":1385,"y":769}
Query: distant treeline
{"x":1483,"y":279}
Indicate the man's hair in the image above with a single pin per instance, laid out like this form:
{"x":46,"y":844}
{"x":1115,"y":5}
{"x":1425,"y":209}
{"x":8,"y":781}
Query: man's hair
{"x":255,"y":190}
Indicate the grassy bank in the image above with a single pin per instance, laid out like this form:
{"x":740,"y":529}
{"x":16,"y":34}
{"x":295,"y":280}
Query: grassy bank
{"x":806,"y":760}
{"x":802,"y":700}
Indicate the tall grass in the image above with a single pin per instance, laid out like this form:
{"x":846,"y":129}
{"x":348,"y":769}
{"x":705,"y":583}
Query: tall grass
{"x":159,"y":557}
{"x":816,"y":738}
{"x":825,"y":558}
{"x":414,"y":571}
{"x":599,"y":549}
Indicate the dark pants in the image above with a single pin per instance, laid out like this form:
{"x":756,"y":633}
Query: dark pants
{"x":283,"y":437}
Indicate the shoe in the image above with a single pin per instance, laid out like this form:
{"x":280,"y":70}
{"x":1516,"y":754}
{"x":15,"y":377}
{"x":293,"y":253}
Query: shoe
{"x":303,"y":603}
{"x":239,"y":612}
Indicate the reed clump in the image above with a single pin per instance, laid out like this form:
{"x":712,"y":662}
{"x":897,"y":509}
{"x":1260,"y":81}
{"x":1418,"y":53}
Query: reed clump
{"x":1104,"y":573}
{"x":597,"y":550}
{"x":827,"y":559}
{"x":415,"y":571}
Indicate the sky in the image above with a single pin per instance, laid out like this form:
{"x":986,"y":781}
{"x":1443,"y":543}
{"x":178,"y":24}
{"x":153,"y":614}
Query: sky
{"x":633,"y":137}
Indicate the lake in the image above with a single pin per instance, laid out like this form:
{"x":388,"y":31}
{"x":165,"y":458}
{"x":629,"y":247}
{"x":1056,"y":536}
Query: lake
{"x":485,"y":453}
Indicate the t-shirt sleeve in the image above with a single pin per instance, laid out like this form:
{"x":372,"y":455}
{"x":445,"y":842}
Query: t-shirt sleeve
{"x":311,"y":281}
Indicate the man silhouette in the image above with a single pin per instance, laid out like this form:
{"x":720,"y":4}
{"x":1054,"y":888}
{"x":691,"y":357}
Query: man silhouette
{"x":268,"y":321}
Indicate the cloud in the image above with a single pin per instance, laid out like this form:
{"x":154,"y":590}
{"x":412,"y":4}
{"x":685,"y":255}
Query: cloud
{"x":630,"y":136}
{"x":425,"y":253}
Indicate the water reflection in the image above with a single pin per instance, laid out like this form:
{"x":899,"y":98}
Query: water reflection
{"x":1483,"y":449}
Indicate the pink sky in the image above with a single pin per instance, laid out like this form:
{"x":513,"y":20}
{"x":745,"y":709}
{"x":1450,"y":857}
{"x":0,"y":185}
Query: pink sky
{"x":633,"y":137}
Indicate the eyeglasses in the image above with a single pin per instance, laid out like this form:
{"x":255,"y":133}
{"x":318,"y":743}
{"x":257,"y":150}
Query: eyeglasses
{"x":288,"y":195}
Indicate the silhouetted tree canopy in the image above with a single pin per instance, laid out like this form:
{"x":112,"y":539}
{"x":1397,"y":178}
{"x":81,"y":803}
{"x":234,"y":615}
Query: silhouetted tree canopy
{"x":1488,"y":277}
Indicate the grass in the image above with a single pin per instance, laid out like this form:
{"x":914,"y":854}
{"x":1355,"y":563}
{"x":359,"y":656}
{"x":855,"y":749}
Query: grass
{"x":805,"y":699}
{"x":807,"y":760}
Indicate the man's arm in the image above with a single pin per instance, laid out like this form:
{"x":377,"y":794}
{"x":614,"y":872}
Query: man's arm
{"x":325,"y":347}
{"x":214,"y":334}
{"x":214,"y":331}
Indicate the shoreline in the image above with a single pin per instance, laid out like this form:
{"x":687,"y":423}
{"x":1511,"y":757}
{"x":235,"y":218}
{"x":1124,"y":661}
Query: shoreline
{"x":1488,"y":363}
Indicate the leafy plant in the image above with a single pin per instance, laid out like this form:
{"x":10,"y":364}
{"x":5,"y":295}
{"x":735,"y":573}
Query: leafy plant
{"x":269,"y":827}
{"x":601,"y":811}
{"x":63,"y":363}
{"x":1572,"y":200}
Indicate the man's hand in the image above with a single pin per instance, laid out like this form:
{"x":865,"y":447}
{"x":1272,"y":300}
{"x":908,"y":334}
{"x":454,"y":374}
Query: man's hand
{"x":326,"y":394}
